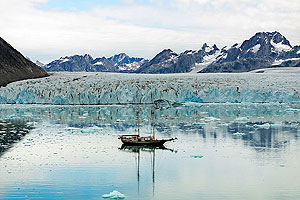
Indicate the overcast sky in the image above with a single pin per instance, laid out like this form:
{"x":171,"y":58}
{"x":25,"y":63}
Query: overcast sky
{"x":49,"y":29}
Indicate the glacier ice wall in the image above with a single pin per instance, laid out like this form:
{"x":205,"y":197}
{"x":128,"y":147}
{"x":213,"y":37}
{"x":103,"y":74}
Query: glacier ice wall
{"x":111,"y":88}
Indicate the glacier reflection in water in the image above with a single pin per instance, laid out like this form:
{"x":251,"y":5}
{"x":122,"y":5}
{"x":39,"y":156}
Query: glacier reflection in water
{"x":224,"y":151}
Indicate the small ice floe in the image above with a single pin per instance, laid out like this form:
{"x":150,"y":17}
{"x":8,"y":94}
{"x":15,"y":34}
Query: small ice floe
{"x":199,"y":124}
{"x":93,"y":129}
{"x":197,"y":156}
{"x":114,"y":195}
{"x":238,"y":134}
{"x":292,"y":110}
{"x":72,"y":129}
{"x":242,"y":119}
{"x":265,"y":126}
{"x":211,"y":119}
{"x":276,"y":125}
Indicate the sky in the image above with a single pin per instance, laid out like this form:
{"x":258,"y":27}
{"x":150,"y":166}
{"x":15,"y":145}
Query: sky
{"x":46,"y":30}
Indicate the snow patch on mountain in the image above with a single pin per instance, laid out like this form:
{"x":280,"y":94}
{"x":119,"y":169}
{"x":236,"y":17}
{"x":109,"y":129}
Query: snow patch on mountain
{"x":256,"y":48}
{"x":280,"y":61}
{"x":62,"y":60}
{"x":280,"y":47}
{"x":99,"y":63}
{"x":40,"y":64}
{"x":199,"y":66}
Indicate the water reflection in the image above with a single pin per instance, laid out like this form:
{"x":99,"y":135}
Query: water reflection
{"x":258,"y":124}
{"x":148,"y":149}
{"x":12,"y":131}
{"x":138,"y":149}
{"x":72,"y":152}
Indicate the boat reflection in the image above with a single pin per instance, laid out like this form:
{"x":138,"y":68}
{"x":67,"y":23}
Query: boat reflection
{"x":138,"y":149}
{"x":149,"y":149}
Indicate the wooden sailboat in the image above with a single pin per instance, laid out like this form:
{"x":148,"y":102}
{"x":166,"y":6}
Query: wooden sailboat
{"x":137,"y":140}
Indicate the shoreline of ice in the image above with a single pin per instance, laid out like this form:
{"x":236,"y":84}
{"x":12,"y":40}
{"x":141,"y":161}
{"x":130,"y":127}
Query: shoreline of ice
{"x":113,"y":88}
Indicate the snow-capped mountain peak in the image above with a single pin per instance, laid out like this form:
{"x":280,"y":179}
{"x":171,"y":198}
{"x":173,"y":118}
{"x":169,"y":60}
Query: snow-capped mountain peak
{"x":86,"y":62}
{"x":264,"y":49}
{"x":261,"y":50}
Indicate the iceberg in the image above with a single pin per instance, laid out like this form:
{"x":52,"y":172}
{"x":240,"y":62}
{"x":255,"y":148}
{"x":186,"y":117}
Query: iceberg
{"x":113,"y":88}
{"x":114,"y":195}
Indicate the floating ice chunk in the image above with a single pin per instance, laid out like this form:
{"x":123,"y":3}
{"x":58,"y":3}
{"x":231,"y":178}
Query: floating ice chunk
{"x":199,"y":124}
{"x":275,"y":125}
{"x":265,"y":126}
{"x":242,"y":119}
{"x":197,"y":156}
{"x":114,"y":195}
{"x":238,"y":134}
{"x":71,"y":129}
{"x":208,"y":119}
{"x":90,"y":130}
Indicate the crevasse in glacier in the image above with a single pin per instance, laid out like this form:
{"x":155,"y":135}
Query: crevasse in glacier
{"x":110,"y":88}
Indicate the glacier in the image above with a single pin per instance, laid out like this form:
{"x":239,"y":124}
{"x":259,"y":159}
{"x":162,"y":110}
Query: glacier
{"x":65,"y":88}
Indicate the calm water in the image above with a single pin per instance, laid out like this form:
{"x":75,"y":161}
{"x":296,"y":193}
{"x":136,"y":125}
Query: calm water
{"x":223,"y":151}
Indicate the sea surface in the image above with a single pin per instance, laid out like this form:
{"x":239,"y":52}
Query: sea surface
{"x":223,"y":151}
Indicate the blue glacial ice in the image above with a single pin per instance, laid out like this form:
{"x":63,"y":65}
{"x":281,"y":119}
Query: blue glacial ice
{"x":112,"y":88}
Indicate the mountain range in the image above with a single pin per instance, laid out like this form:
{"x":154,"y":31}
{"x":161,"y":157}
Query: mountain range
{"x":117,"y":63}
{"x":263,"y":50}
{"x":14,"y":66}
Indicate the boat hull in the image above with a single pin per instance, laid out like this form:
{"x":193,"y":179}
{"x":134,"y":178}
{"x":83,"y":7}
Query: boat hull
{"x":135,"y":140}
{"x":144,"y":143}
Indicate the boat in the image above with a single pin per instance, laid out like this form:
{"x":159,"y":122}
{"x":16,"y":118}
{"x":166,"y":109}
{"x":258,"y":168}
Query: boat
{"x":137,"y":140}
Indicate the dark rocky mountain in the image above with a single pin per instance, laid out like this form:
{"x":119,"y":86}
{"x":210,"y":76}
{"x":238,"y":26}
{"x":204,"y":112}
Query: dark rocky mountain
{"x":78,"y":63}
{"x":124,"y":62}
{"x":14,"y":66}
{"x":263,"y":50}
{"x":164,"y":62}
{"x":168,"y":61}
{"x":40,"y":64}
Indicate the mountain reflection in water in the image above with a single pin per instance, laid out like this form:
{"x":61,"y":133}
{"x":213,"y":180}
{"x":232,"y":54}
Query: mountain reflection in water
{"x":233,"y":151}
{"x":12,"y":131}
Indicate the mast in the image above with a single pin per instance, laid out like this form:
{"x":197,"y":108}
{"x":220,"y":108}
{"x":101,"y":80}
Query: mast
{"x":138,"y":170}
{"x":138,"y":118}
{"x":153,"y":171}
{"x":153,"y":121}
